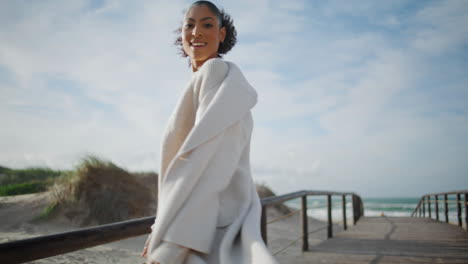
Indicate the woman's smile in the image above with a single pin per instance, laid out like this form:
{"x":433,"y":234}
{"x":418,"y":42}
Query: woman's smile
{"x":197,"y":44}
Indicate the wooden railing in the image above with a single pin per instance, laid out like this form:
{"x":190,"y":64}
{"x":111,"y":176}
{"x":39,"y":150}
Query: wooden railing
{"x":432,"y":201}
{"x":358,"y":211}
{"x":51,"y":245}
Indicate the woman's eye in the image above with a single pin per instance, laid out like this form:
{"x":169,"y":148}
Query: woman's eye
{"x":188,"y":26}
{"x":208,"y":25}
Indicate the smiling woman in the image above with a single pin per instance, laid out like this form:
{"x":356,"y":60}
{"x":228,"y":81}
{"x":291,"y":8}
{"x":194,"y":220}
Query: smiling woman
{"x":208,"y":208}
{"x":201,"y":35}
{"x":206,"y":33}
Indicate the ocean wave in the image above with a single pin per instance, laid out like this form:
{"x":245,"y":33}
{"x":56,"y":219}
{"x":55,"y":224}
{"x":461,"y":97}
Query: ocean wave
{"x":392,"y":207}
{"x":395,"y":206}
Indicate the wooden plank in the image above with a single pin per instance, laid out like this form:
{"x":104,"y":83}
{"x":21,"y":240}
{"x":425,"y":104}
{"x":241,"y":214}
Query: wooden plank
{"x":333,"y":258}
{"x":393,"y":240}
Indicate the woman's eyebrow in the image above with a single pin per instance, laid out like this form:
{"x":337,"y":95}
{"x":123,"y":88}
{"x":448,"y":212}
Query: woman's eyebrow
{"x":203,"y":19}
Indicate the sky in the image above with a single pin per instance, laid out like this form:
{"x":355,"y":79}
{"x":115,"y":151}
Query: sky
{"x":363,"y":96}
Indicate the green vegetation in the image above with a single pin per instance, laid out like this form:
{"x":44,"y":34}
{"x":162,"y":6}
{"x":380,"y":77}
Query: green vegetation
{"x":47,"y":212}
{"x":3,"y":169}
{"x":23,"y":188}
{"x":14,"y":176}
{"x":23,"y":181}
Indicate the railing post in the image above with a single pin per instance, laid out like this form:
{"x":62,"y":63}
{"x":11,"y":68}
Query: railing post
{"x":354,"y":201}
{"x":429,"y":205}
{"x":466,"y":211}
{"x":419,"y":209}
{"x":263,"y":225}
{"x":459,"y":210}
{"x":437,"y":207}
{"x":305,"y":232}
{"x":424,"y":206}
{"x":446,"y":208}
{"x":361,"y":208}
{"x":330,"y":227}
{"x":345,"y":224}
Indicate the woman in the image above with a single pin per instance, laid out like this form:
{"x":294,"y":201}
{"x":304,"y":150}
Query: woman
{"x":208,"y":208}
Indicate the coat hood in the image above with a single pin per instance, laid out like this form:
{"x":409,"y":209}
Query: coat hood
{"x":233,"y":99}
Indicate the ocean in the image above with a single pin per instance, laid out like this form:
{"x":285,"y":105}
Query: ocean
{"x":393,"y":207}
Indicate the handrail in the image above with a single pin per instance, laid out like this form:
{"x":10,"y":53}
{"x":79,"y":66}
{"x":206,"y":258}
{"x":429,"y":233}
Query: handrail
{"x":358,"y":211}
{"x":448,"y":193}
{"x":51,"y":245}
{"x":420,"y":210}
{"x":29,"y":249}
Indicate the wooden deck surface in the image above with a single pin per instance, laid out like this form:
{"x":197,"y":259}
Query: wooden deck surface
{"x":392,"y":240}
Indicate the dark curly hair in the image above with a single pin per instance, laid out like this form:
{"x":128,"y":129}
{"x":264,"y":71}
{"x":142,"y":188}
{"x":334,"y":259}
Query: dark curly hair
{"x":224,"y":20}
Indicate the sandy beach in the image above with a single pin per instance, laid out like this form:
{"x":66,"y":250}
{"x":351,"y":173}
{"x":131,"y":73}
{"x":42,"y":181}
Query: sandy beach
{"x":18,"y":214}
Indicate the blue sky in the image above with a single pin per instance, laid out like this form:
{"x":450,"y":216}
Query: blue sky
{"x":364,"y":96}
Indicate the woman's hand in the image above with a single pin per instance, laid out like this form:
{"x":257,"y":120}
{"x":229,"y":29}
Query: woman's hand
{"x":144,"y":253}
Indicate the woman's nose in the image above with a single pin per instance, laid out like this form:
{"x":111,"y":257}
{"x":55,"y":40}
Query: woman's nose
{"x":196,"y":31}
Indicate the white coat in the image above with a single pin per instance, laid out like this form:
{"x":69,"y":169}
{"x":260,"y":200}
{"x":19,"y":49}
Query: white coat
{"x":207,"y":199}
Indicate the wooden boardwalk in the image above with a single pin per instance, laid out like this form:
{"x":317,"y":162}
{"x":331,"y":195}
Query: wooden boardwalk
{"x":392,"y":240}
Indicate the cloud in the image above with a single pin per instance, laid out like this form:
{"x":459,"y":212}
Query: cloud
{"x":440,"y":29}
{"x":92,"y":77}
{"x":354,"y":97}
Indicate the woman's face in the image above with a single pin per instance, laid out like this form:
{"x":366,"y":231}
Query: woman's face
{"x":201,"y":35}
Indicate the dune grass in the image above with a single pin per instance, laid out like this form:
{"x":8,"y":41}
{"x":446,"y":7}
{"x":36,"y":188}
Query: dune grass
{"x":264,"y":191}
{"x":100,"y":192}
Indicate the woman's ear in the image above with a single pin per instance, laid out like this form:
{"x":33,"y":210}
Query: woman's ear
{"x":222,"y":33}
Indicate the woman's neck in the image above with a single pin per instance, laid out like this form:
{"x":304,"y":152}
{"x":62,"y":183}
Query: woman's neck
{"x":196,"y":65}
